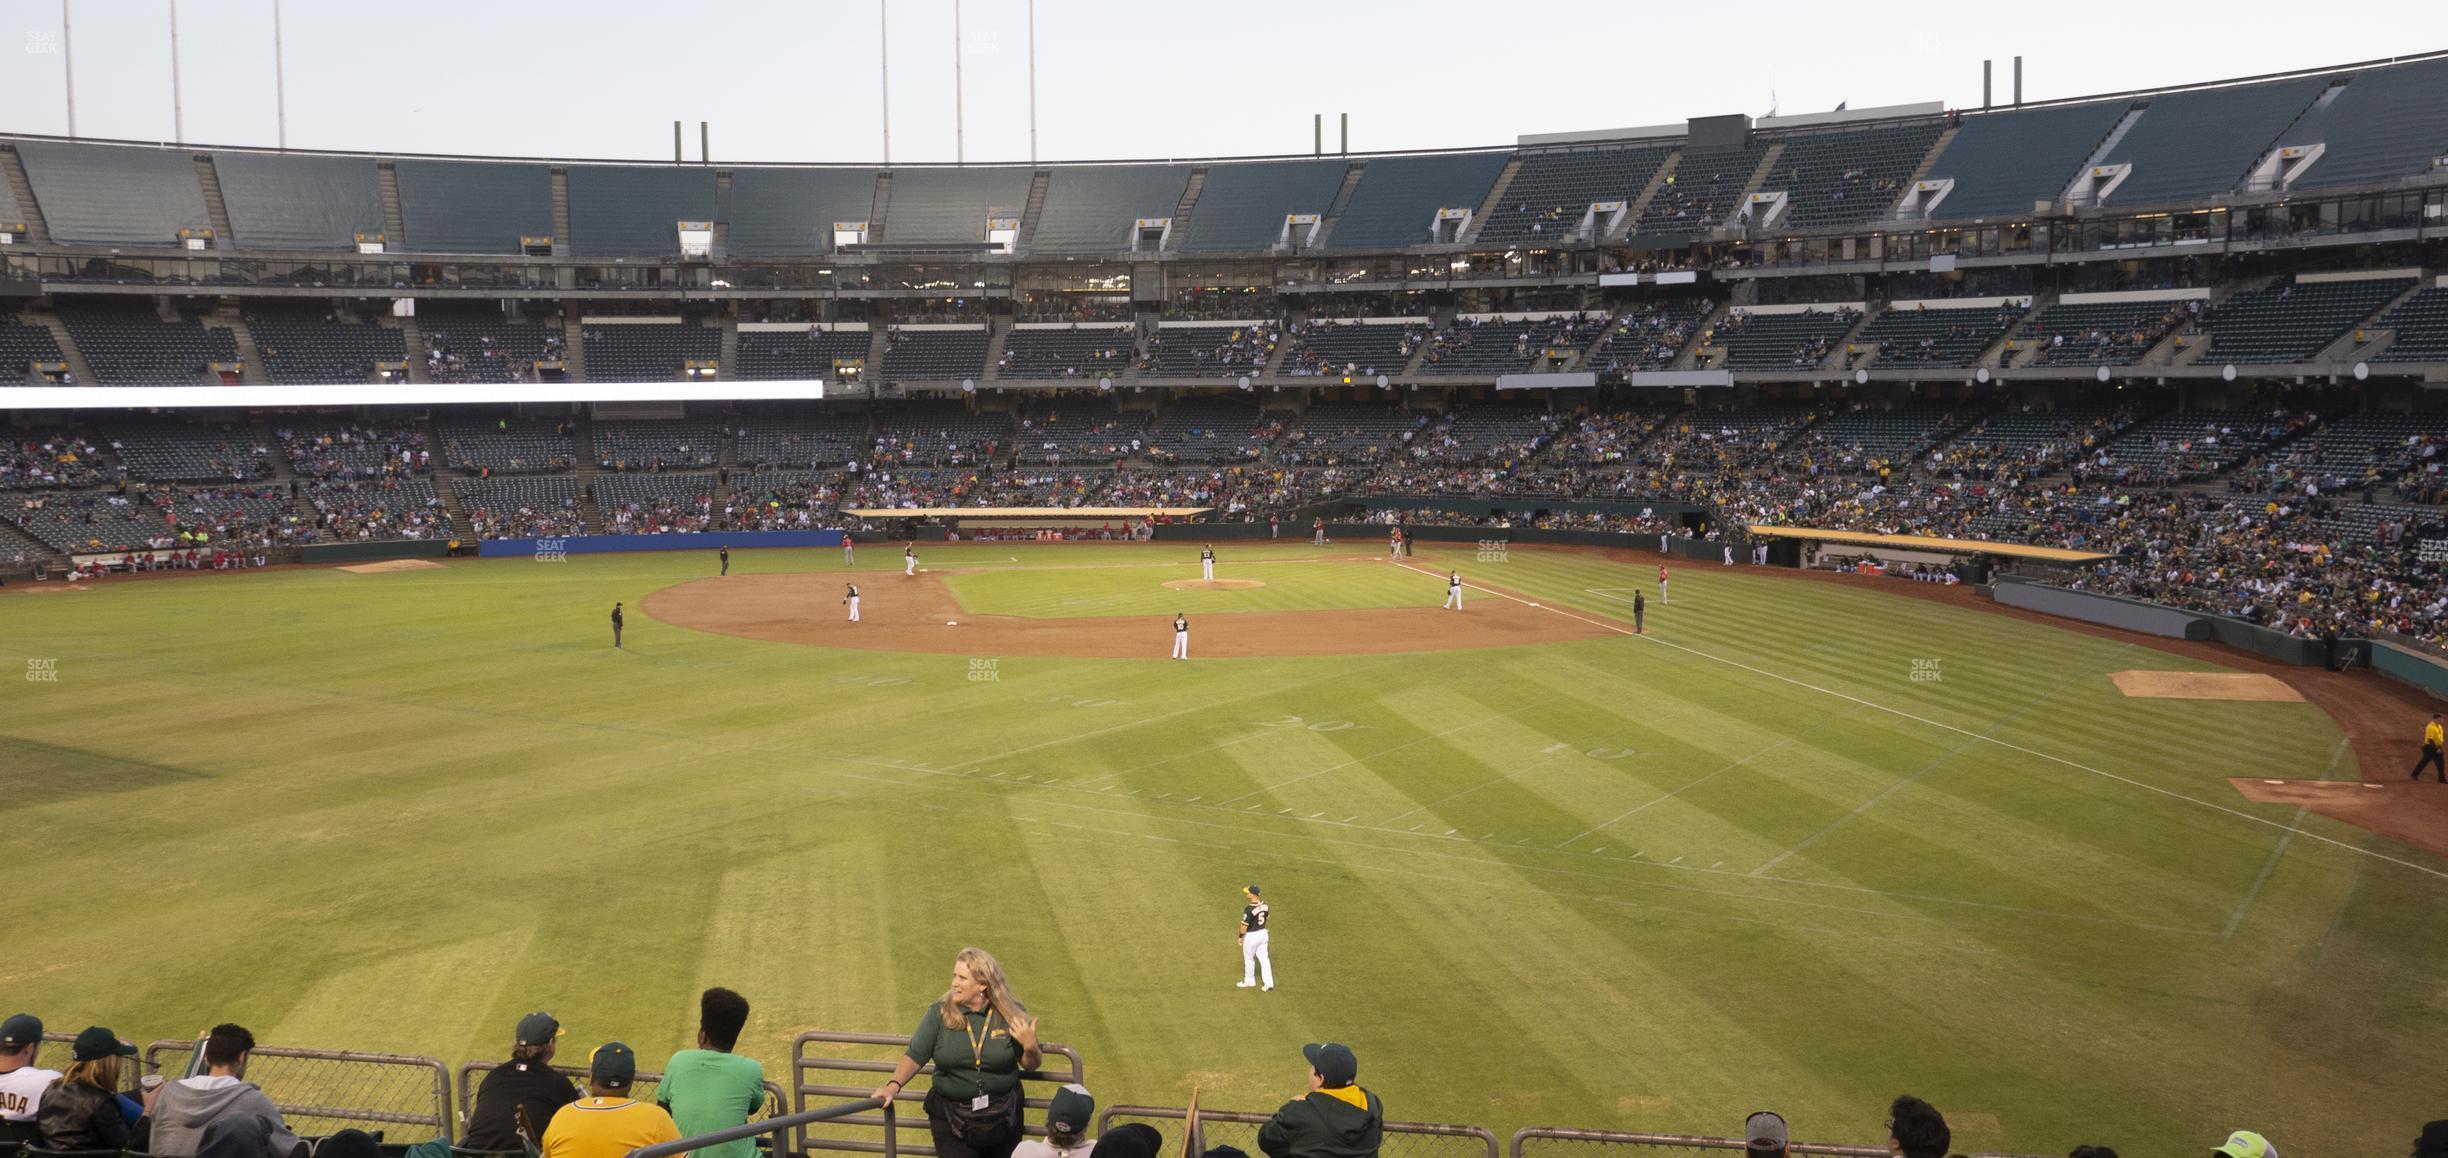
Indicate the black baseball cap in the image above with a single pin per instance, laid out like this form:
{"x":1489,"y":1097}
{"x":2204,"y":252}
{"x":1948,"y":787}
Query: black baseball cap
{"x":98,"y":1042}
{"x":613,"y":1065}
{"x":1334,"y":1063}
{"x":538,"y":1028}
{"x":1250,"y":889}
{"x":20,"y":1029}
{"x":1071,"y":1110}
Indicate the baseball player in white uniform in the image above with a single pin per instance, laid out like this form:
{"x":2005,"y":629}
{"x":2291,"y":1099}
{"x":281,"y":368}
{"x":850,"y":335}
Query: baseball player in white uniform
{"x":1207,"y":562}
{"x":1255,"y":964}
{"x":852,"y":600}
{"x":1453,"y":590}
{"x":1181,"y":636}
{"x":909,"y":560}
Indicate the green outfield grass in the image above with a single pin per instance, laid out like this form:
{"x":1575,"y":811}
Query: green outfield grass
{"x":1748,"y":861}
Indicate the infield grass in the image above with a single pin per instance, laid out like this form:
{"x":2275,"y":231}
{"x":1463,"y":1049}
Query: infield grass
{"x":1750,"y":861}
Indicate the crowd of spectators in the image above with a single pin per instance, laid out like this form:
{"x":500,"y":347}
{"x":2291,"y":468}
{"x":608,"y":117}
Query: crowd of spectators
{"x":56,"y":460}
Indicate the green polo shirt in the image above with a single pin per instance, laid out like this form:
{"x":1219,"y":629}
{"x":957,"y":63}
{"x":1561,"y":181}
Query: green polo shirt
{"x":706,"y":1090}
{"x":958,"y":1054}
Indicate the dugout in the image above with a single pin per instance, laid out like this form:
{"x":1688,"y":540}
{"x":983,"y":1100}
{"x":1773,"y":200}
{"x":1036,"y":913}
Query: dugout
{"x":1971,"y":560}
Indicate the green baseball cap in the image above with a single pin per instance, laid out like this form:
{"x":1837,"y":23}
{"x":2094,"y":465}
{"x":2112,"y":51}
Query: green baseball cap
{"x":1334,"y":1063}
{"x":2246,"y":1144}
{"x":538,"y":1028}
{"x":613,"y":1064}
{"x":1071,"y":1109}
{"x":98,"y":1042}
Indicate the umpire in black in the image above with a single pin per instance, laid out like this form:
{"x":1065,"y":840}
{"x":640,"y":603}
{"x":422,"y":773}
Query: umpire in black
{"x":616,"y":624}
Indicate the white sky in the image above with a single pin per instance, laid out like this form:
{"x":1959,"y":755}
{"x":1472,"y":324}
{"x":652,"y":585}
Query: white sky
{"x":796,"y":80}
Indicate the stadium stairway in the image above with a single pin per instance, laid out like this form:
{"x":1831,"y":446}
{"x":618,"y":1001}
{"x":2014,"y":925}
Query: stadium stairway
{"x":250,"y":363}
{"x":215,"y":209}
{"x":998,"y":334}
{"x":68,"y":347}
{"x":282,"y":475}
{"x":573,"y":342}
{"x":722,"y":216}
{"x":2366,"y":340}
{"x":1648,"y":193}
{"x":1759,"y":176}
{"x":875,"y":224}
{"x":561,"y":238}
{"x":1188,"y":204}
{"x":1035,"y":209}
{"x":1688,"y":358}
{"x":1495,"y":196}
{"x":1844,"y":341}
{"x":1997,"y":353}
{"x":395,"y":224}
{"x":441,"y":479}
{"x":582,"y":452}
{"x":726,"y":369}
{"x":38,"y":230}
{"x":412,"y":343}
{"x":1938,"y":149}
{"x":1334,"y":208}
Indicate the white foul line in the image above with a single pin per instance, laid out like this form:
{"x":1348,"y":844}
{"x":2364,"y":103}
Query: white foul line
{"x":2009,"y":745}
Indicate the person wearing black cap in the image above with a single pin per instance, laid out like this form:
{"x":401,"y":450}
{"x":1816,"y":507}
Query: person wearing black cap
{"x":1764,"y":1135}
{"x":726,"y":558}
{"x":1337,"y":1119}
{"x":21,"y":1085}
{"x":1066,"y":1123}
{"x":616,"y":625}
{"x":1254,"y":959}
{"x":608,"y":1123}
{"x":2431,"y":744}
{"x":1135,"y":1140}
{"x":527,"y":1081}
{"x":83,"y":1111}
{"x":2433,"y":1141}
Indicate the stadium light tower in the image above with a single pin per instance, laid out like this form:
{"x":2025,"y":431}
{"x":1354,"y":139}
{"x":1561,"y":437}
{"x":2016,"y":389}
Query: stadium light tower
{"x":960,"y":135}
{"x":1032,"y":37}
{"x":280,"y":80}
{"x":68,"y":64}
{"x":884,"y":69}
{"x":178,"y":104}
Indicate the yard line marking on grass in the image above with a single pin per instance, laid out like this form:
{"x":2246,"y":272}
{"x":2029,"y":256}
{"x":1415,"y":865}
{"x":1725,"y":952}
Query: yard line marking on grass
{"x":2270,"y":866}
{"x":2009,"y":745}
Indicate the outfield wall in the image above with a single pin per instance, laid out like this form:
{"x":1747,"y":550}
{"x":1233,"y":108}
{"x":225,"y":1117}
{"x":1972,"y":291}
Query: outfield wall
{"x":545,"y":548}
{"x":2407,"y":665}
{"x":2159,"y":619}
{"x":373,"y":552}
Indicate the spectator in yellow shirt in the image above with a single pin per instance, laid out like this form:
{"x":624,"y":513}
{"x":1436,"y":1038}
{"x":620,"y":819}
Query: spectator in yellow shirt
{"x":609,"y":1123}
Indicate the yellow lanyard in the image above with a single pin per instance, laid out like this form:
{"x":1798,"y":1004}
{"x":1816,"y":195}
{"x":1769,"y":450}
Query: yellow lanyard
{"x":977,"y":1041}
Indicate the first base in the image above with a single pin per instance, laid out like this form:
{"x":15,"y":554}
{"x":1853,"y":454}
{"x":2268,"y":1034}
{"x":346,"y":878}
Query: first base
{"x":951,"y":623}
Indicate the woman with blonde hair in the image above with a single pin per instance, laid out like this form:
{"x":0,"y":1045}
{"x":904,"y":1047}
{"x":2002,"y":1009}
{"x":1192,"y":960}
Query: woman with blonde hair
{"x":82,"y":1110}
{"x":981,"y":1039}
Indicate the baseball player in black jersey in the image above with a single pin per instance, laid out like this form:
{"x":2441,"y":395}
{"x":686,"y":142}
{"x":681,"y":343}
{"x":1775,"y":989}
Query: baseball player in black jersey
{"x":616,"y":624}
{"x":726,"y":559}
{"x":1207,"y":562}
{"x":1255,"y":963}
{"x":1453,"y":590}
{"x":852,"y":599}
{"x":1181,"y":636}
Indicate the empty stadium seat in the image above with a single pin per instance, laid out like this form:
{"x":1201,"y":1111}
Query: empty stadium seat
{"x":128,"y":344}
{"x":934,"y":355}
{"x":1091,"y":208}
{"x":1241,"y":207}
{"x":797,"y":353}
{"x":314,"y":344}
{"x":1083,"y":352}
{"x":647,"y":351}
{"x":2292,"y":322}
{"x":1396,"y":202}
{"x":1552,"y":191}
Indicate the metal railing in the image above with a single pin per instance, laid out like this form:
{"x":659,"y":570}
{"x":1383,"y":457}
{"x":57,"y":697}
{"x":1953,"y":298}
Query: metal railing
{"x":857,"y":1132}
{"x":1582,"y":1144}
{"x":129,"y":1075}
{"x":1239,"y":1129}
{"x":774,"y":1126}
{"x":322,"y":1091}
{"x":471,"y":1076}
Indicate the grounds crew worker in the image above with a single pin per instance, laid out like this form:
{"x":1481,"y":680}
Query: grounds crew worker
{"x":1337,"y":1119}
{"x":2431,"y":750}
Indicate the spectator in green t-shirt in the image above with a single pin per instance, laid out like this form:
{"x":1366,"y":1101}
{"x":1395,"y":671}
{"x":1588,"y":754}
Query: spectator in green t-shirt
{"x":710,"y":1088}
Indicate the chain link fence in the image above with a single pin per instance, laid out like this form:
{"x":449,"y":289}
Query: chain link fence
{"x":472,"y":1075}
{"x":827,"y":1066}
{"x":1239,"y":1129}
{"x":1558,"y":1142}
{"x":320,"y":1091}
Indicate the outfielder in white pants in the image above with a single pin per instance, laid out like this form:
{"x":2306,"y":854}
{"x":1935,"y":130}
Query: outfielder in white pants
{"x":1181,"y":638}
{"x":1207,"y":563}
{"x":909,"y":562}
{"x":1256,"y":966}
{"x":1453,"y":591}
{"x":852,"y":600}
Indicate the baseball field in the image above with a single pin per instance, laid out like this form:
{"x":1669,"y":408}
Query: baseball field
{"x":1803,"y":845}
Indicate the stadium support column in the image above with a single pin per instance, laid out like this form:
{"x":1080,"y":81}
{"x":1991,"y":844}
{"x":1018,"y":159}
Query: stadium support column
{"x":1317,"y":134}
{"x":1346,"y":149}
{"x":1987,"y":67}
{"x":675,"y":142}
{"x":2018,"y":82}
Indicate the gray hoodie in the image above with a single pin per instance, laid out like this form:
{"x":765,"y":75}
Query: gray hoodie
{"x":187,"y":1105}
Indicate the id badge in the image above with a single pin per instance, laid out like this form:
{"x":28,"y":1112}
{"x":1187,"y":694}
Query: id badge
{"x":978,"y":1103}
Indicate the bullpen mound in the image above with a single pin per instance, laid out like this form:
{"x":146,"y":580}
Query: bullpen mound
{"x":912,"y":616}
{"x":2203,"y":685}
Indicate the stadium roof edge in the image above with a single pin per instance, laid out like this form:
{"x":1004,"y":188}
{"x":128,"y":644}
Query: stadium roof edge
{"x":1529,"y":140}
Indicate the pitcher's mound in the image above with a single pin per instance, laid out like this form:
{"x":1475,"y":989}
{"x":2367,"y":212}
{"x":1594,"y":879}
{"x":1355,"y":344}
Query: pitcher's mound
{"x":389,"y":565}
{"x":1212,"y":584}
{"x":2202,"y":685}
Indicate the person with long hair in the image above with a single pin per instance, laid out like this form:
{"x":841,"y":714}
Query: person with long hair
{"x":981,"y":1039}
{"x":82,"y":1110}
